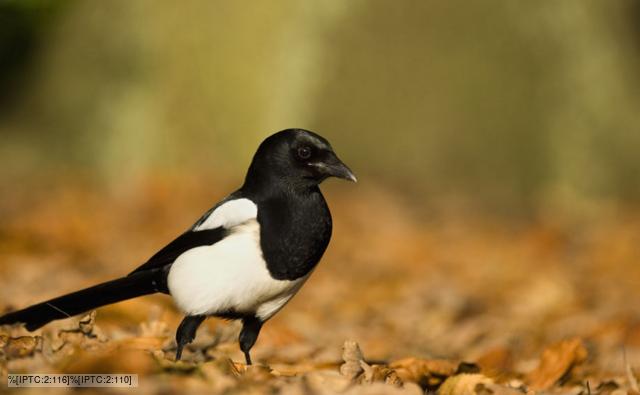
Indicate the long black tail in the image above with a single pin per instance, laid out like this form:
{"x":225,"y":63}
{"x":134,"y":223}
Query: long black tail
{"x":134,"y":285}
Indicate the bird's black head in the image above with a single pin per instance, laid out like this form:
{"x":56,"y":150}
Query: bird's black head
{"x":296,"y":157}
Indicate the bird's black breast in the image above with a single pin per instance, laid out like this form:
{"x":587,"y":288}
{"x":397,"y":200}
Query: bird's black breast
{"x":294,"y":233}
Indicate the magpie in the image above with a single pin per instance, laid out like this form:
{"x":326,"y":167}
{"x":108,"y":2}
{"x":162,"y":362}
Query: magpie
{"x":244,"y":259}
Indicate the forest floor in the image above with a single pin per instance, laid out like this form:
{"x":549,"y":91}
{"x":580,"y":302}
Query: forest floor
{"x":401,"y":302}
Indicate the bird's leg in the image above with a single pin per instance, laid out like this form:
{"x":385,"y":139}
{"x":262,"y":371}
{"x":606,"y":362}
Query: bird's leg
{"x":187,"y":332}
{"x":250,"y":329}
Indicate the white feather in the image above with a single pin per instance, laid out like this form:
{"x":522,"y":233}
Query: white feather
{"x":269,"y":308}
{"x":229,"y":275}
{"x":230,"y":214}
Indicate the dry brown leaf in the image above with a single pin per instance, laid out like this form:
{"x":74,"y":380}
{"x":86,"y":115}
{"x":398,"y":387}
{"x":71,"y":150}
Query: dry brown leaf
{"x":556,"y":362}
{"x":109,"y":360}
{"x":495,"y":361}
{"x":425,"y":372}
{"x":20,"y":347}
{"x":378,"y":373}
{"x":257,"y":373}
{"x":463,"y":384}
{"x":87,"y":323}
{"x":495,"y":389}
{"x":631,"y":377}
{"x":607,"y":387}
{"x":4,"y":339}
{"x":382,"y":389}
{"x":66,"y":340}
{"x":84,"y":335}
{"x":169,"y":364}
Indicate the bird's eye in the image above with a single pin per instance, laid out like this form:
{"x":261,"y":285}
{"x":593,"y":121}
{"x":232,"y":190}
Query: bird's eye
{"x":304,"y":152}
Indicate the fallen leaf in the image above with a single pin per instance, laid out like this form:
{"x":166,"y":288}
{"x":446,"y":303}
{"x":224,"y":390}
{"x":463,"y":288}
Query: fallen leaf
{"x":257,"y":373}
{"x":383,"y":389}
{"x":495,"y":361}
{"x":20,"y":347}
{"x":495,"y":389}
{"x":87,"y":323}
{"x":631,"y":377}
{"x":556,"y":362}
{"x":463,"y":384}
{"x":378,"y":373}
{"x":425,"y":372}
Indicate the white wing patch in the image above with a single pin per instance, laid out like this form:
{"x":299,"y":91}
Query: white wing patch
{"x":230,"y":275}
{"x":230,"y":214}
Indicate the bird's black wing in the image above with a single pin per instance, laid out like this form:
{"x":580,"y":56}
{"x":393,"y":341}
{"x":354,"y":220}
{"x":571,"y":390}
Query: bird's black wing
{"x":190,"y":239}
{"x":186,"y":241}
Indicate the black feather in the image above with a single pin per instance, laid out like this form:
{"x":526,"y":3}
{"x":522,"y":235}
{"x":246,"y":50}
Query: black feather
{"x":186,"y":241}
{"x":134,"y":285}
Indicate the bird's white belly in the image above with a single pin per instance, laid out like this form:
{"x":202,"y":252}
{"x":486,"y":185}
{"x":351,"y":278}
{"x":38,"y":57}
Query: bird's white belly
{"x":229,"y":276}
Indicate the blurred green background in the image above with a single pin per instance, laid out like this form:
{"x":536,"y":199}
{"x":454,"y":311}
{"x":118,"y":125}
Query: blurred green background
{"x":503,"y":106}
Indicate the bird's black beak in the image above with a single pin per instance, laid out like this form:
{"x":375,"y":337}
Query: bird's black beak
{"x":334,"y":167}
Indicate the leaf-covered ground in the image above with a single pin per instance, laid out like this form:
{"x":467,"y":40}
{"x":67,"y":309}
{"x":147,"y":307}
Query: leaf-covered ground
{"x":402,"y":302}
